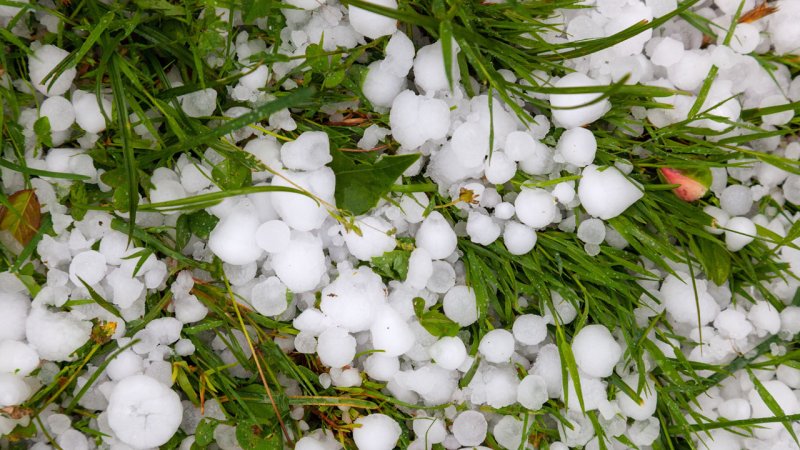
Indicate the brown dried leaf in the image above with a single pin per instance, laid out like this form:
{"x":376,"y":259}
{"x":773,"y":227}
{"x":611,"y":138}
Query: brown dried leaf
{"x":24,"y":217}
{"x":760,"y":11}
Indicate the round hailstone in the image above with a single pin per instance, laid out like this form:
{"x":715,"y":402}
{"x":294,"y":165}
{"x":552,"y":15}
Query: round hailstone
{"x":381,"y":86}
{"x":518,"y":238}
{"x":377,"y":432}
{"x":634,"y":409}
{"x":739,"y":232}
{"x":302,"y":264}
{"x":399,"y":55}
{"x":734,"y":409}
{"x":745,"y":38}
{"x":785,"y":398}
{"x":596,"y":352}
{"x":298,"y":211}
{"x":89,"y":113}
{"x":415,"y":119}
{"x":375,"y":238}
{"x":269,"y":297}
{"x":126,"y":364}
{"x":668,"y":51}
{"x":471,"y":144}
{"x":681,"y":302}
{"x":167,"y":190}
{"x":532,"y":392}
{"x":548,"y":366}
{"x":15,"y":308}
{"x":592,"y":231}
{"x":736,"y":200}
{"x":429,"y":70}
{"x":733,"y":324}
{"x":576,"y":115}
{"x":497,"y":346}
{"x":255,"y":79}
{"x":459,"y":305}
{"x":481,"y":228}
{"x":42,"y":62}
{"x":448,"y":352}
{"x":420,"y":269}
{"x":765,"y":317}
{"x":390,"y":333}
{"x":13,"y":390}
{"x":233,"y":240}
{"x":354,"y":298}
{"x":519,"y":145}
{"x":144,"y":413}
{"x":18,"y":357}
{"x":500,"y":168}
{"x":273,"y":236}
{"x":370,"y":24}
{"x":310,"y":151}
{"x":690,"y":71}
{"x":336,"y":348}
{"x":429,"y":429}
{"x":381,"y":367}
{"x":59,"y":112}
{"x":200,"y":103}
{"x":535,"y":208}
{"x":606,"y":193}
{"x":508,"y":432}
{"x":469,"y":428}
{"x":578,"y":146}
{"x":89,"y":266}
{"x":530,"y":329}
{"x":436,"y":236}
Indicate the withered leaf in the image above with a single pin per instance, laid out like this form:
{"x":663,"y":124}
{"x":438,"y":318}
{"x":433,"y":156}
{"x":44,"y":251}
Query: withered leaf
{"x":24,"y":217}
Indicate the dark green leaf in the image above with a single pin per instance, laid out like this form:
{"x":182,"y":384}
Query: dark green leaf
{"x":204,"y":435}
{"x":42,"y":129}
{"x":393,"y":265}
{"x":230,"y":174}
{"x":334,"y":78}
{"x":78,"y":201}
{"x":182,"y":232}
{"x":438,"y":324}
{"x":359,"y":186}
{"x":255,"y":9}
{"x":201,"y":223}
{"x":716,"y":261}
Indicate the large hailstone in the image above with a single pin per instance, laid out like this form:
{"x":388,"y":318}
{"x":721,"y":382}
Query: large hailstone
{"x":233,"y":240}
{"x":596,"y":352}
{"x":143,"y":412}
{"x":606,"y":193}
{"x":42,"y":62}
{"x":56,"y":335}
{"x":574,"y":110}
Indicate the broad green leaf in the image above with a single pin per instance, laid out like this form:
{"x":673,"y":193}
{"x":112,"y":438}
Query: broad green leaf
{"x":393,"y":264}
{"x":22,"y":216}
{"x":204,"y":435}
{"x":78,"y":199}
{"x":438,"y":324}
{"x":360,"y":185}
{"x":42,"y":129}
{"x":716,"y":261}
{"x":201,"y":223}
{"x":229,"y":174}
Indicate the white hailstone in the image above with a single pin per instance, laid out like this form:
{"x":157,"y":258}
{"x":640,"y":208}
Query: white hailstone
{"x":125,"y":289}
{"x":678,"y":295}
{"x":390,"y":333}
{"x":124,"y":365}
{"x":143,"y":412}
{"x":55,"y":335}
{"x":114,"y":246}
{"x":200,"y":103}
{"x":42,"y":62}
{"x":18,"y":357}
{"x":273,"y":236}
{"x":89,"y":266}
{"x":783,"y":29}
{"x":377,"y":432}
{"x":13,"y":390}
{"x":733,"y":324}
{"x":449,"y":353}
{"x":497,"y":346}
{"x":577,"y":146}
{"x":518,"y":238}
{"x":606,"y":193}
{"x":381,"y":86}
{"x":336,"y":347}
{"x":381,"y":367}
{"x":167,"y":190}
{"x":420,"y":269}
{"x":719,"y":219}
{"x":739,"y":232}
{"x":786,"y":400}
{"x":91,"y":114}
{"x":375,"y":238}
{"x":776,"y":119}
{"x":788,"y":375}
{"x":500,"y":168}
{"x":592,"y":231}
{"x":442,"y":279}
{"x":429,"y":429}
{"x":189,"y":309}
{"x":233,"y":239}
{"x":353,"y":299}
{"x":736,"y":200}
{"x":572,"y":110}
{"x":309,"y":443}
{"x":504,"y":210}
{"x":638,"y":410}
{"x":481,"y":228}
{"x":59,"y":423}
{"x":436,"y":236}
{"x":530,"y":329}
{"x":520,"y":145}
{"x":790,"y":320}
{"x":399,"y":55}
{"x":15,"y":307}
{"x":765,"y":318}
{"x":166,"y":330}
{"x":745,"y":38}
{"x":667,"y":52}
{"x":59,"y":111}
{"x":268,"y":297}
{"x":734,"y":409}
{"x":415,"y":119}
{"x":690,"y":71}
{"x":535,"y":207}
{"x":596,"y":352}
{"x":508,"y":432}
{"x":470,"y":143}
{"x":429,"y":71}
{"x":266,"y":149}
{"x":301,"y":265}
{"x":298,"y":211}
{"x":645,"y":432}
{"x":310,"y":151}
{"x":73,"y":440}
{"x":370,"y":24}
{"x":532,"y":392}
{"x":469,"y":428}
{"x":255,"y":79}
{"x":460,"y":306}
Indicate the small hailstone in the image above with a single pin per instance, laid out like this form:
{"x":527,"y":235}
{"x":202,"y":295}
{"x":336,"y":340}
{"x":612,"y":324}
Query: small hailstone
{"x":269,"y":297}
{"x":733,"y":324}
{"x":745,"y":38}
{"x":634,"y":409}
{"x":143,"y":412}
{"x":535,"y":207}
{"x":89,"y":266}
{"x":89,"y":113}
{"x":273,"y":236}
{"x":381,"y":86}
{"x":567,"y":109}
{"x":298,"y":211}
{"x":592,"y":231}
{"x":125,"y":364}
{"x":429,"y":69}
{"x":482,"y":229}
{"x":442,"y":279}
{"x":734,"y":409}
{"x":667,"y":52}
{"x":519,"y":145}
{"x":336,"y":347}
{"x":200,"y":103}
{"x":377,"y":432}
{"x":504,"y":210}
{"x":460,"y":306}
{"x":370,"y":24}
{"x":15,"y":309}
{"x":420,"y":269}
{"x":42,"y":62}
{"x":532,"y":392}
{"x":415,"y":119}
{"x":596,"y":352}
{"x":788,"y":375}
{"x":678,"y":295}
{"x":189,"y":309}
{"x":59,"y":111}
{"x":500,"y":168}
{"x":518,"y":238}
{"x":390,"y":333}
{"x":765,"y":318}
{"x":436,"y":236}
{"x":606,"y":193}
{"x":310,"y":151}
{"x":381,"y":367}
{"x":302,"y":264}
{"x":58,"y":423}
{"x":497,"y":346}
{"x":429,"y":429}
{"x":374,"y":240}
{"x":166,"y":330}
{"x":739,"y":232}
{"x":530,"y":329}
{"x":690,"y":71}
{"x":372,"y":135}
{"x":508,"y":432}
{"x":353,"y":299}
{"x":736,"y":200}
{"x":399,"y":55}
{"x":233,"y":238}
{"x":469,"y":428}
{"x":17,"y":357}
{"x":449,"y":353}
{"x":577,"y":146}
{"x":13,"y":390}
